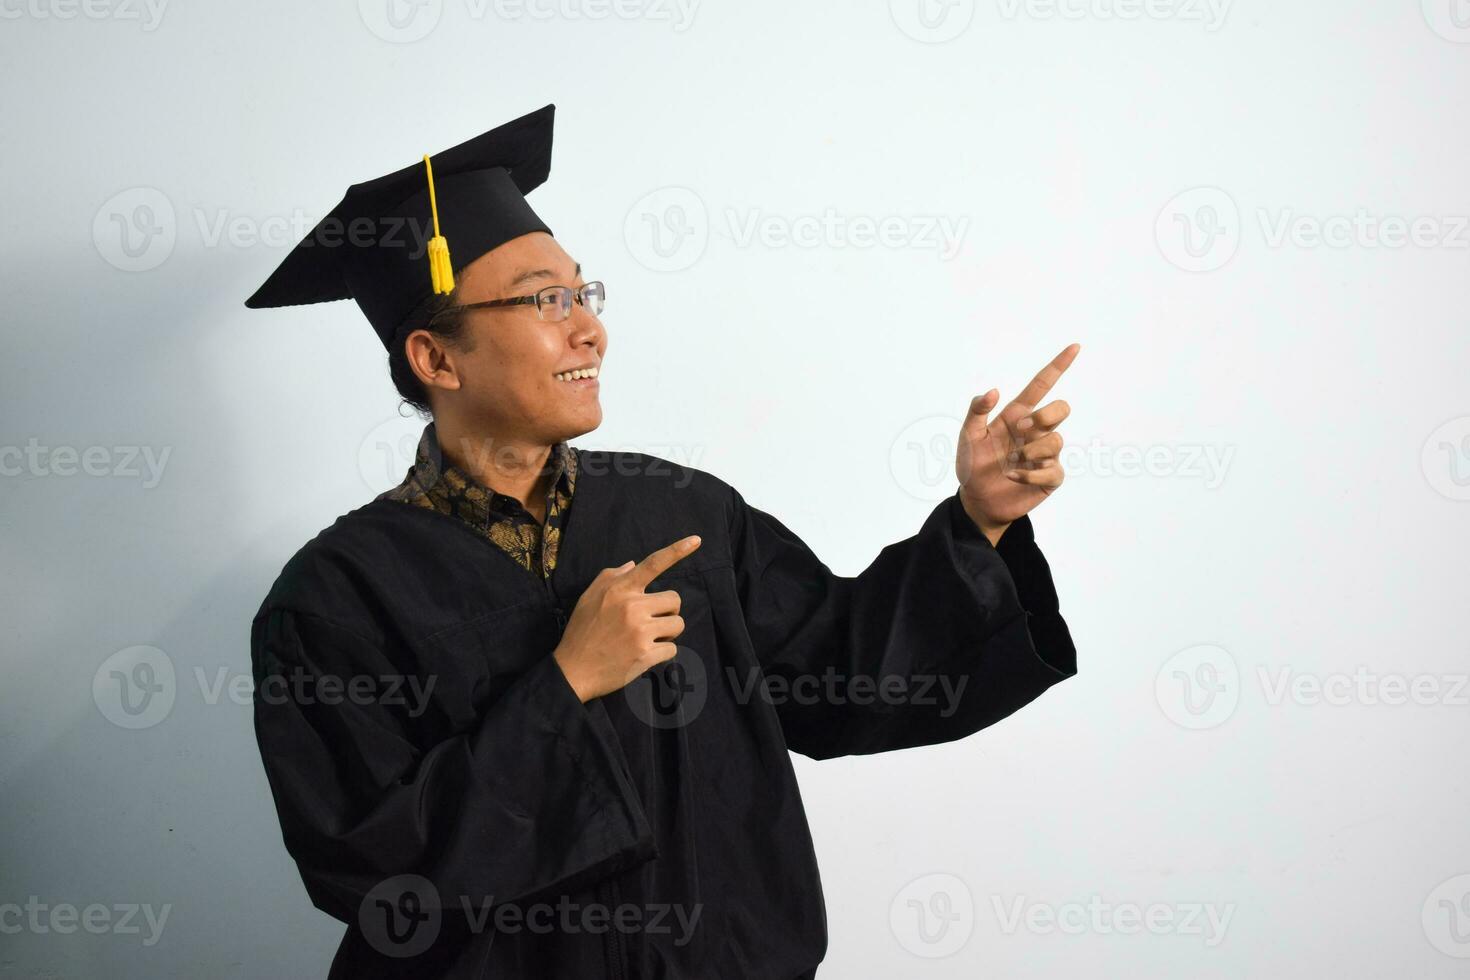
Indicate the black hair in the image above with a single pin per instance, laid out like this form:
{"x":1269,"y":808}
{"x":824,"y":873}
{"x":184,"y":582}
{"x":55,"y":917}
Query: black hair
{"x":448,"y":327}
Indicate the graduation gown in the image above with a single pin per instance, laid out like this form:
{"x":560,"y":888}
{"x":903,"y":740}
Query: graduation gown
{"x":444,"y":793}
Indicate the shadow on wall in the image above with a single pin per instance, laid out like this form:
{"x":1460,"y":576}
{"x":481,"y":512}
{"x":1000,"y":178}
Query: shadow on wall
{"x":119,"y":516}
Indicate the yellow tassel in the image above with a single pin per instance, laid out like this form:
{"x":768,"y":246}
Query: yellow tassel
{"x":441,"y":273}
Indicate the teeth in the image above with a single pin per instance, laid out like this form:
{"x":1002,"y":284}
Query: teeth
{"x":580,"y":373}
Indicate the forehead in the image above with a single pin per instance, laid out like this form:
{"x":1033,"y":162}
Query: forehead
{"x":534,"y":259}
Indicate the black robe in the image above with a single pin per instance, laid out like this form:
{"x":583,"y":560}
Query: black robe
{"x":445,"y":794}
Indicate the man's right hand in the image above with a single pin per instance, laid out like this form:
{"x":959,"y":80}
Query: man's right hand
{"x":617,"y":631}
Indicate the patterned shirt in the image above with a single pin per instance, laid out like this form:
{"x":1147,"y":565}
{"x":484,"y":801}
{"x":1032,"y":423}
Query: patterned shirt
{"x":437,"y":484}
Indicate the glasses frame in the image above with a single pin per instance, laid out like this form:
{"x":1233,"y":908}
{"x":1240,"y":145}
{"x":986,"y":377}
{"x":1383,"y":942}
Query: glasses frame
{"x":579,"y":296}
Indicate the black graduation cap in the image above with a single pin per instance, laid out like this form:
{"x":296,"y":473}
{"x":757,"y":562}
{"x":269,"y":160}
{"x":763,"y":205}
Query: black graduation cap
{"x":386,"y":244}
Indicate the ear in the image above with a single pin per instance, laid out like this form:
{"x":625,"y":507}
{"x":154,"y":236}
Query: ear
{"x":431,"y":361}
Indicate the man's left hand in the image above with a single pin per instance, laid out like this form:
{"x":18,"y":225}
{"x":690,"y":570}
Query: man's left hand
{"x":1009,"y":464}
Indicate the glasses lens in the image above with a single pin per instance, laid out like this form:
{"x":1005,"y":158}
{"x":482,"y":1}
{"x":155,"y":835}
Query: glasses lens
{"x":554,"y":303}
{"x":594,"y":295}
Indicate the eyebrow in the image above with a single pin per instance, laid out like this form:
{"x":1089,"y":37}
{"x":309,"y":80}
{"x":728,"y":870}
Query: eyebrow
{"x":531,"y":274}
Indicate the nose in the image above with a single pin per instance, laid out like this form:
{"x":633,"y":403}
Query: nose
{"x":584,"y":329}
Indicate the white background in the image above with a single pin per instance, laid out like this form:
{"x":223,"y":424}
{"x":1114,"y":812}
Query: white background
{"x":1077,"y":146}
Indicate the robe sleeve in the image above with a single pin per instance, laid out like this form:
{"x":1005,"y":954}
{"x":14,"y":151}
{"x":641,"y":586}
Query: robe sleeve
{"x":531,"y":799}
{"x":941,"y":636}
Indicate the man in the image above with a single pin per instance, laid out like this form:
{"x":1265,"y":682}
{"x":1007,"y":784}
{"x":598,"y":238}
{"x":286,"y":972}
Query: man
{"x":528,"y":714}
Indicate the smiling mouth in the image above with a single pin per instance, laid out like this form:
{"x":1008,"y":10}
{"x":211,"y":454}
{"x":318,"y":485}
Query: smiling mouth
{"x":580,"y":374}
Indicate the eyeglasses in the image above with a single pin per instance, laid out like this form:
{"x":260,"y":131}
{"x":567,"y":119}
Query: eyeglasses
{"x":553,"y":303}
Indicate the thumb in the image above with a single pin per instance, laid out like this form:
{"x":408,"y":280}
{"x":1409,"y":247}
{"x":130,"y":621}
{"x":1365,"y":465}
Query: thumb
{"x":978,"y":417}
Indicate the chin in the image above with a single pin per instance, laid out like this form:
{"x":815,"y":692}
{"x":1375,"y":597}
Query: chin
{"x":586,"y":425}
{"x":578,"y":425}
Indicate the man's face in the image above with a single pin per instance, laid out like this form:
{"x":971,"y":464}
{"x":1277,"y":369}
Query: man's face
{"x":509,"y":375}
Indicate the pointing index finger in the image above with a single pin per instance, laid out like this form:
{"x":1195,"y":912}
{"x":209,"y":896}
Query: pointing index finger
{"x":1050,"y":375}
{"x":662,"y":560}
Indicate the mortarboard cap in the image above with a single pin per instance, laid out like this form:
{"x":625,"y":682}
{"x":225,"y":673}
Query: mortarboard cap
{"x":384,"y":244}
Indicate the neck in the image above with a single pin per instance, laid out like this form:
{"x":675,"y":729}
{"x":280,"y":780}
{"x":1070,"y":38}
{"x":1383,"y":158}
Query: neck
{"x":516,"y":467}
